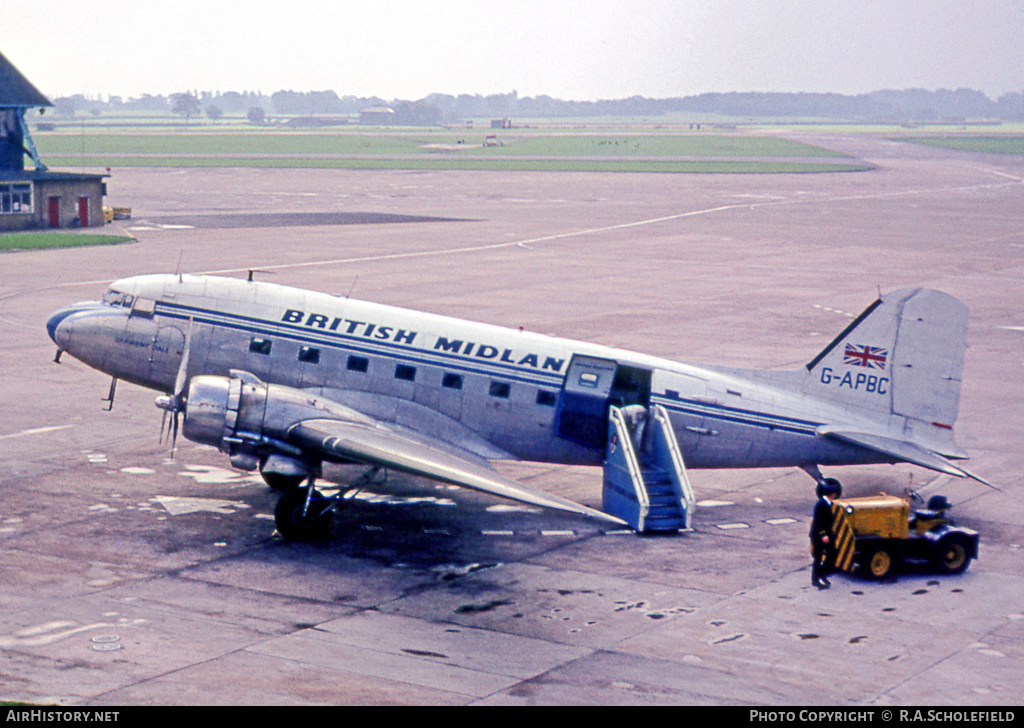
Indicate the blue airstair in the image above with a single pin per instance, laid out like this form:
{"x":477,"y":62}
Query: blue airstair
{"x":645,"y":481}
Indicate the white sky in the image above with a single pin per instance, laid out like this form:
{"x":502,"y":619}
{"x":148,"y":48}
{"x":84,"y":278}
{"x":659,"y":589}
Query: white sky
{"x":568,"y":49}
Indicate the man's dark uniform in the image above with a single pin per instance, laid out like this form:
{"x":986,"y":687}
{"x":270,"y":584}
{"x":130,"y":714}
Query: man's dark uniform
{"x":822,"y":538}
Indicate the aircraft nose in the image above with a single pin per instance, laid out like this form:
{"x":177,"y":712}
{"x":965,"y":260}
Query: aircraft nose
{"x":57,"y":318}
{"x":54,"y":321}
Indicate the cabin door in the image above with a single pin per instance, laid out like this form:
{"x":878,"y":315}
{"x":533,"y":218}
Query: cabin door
{"x":591,"y":386}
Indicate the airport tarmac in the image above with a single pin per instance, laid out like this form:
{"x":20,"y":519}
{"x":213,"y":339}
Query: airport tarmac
{"x":131,"y":577}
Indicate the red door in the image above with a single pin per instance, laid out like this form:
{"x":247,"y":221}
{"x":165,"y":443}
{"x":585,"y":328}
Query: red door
{"x":83,"y":211}
{"x":55,"y":212}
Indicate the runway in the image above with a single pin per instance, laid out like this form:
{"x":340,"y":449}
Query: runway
{"x":130,"y":577}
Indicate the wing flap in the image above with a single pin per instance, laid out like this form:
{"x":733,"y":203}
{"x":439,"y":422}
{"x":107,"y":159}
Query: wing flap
{"x":414,"y":453}
{"x":901,"y":450}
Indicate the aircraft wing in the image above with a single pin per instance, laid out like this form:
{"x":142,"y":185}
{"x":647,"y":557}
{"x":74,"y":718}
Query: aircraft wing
{"x":418,"y":454}
{"x":901,"y":450}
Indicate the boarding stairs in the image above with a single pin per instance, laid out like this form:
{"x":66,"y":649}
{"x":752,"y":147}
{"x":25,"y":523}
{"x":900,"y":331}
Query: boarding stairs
{"x":645,"y":481}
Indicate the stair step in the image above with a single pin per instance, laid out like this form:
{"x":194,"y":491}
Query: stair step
{"x":654,"y":523}
{"x":659,"y":488}
{"x":664,"y":500}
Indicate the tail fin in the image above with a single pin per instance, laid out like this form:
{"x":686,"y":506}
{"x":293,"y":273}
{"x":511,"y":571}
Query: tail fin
{"x":900,"y":363}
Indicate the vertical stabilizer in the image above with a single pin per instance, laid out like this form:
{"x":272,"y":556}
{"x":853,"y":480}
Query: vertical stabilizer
{"x":900,"y":362}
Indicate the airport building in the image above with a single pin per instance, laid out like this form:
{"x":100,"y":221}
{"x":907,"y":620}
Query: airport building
{"x":377,"y":116}
{"x":38,"y":198}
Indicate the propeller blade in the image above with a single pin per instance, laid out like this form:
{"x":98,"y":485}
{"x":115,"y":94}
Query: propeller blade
{"x":182,"y":379}
{"x":175,"y":404}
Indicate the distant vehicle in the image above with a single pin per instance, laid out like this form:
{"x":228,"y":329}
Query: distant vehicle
{"x":116,"y":213}
{"x":284,"y":380}
{"x":879,"y":535}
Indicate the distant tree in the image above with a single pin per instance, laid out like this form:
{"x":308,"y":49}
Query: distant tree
{"x":419,"y":113}
{"x":185,"y":104}
{"x":256,"y":115}
{"x":232,"y":101}
{"x":66,"y":105}
{"x":147,"y":102}
{"x":214,"y":112}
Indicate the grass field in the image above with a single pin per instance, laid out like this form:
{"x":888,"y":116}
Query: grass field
{"x":303,"y":143}
{"x":1008,"y":144}
{"x":13,"y":241}
{"x":518,"y":149}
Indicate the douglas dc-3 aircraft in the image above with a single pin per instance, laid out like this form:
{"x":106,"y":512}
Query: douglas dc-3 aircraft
{"x":284,"y":380}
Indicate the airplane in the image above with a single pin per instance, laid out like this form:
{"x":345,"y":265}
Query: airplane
{"x":284,"y":380}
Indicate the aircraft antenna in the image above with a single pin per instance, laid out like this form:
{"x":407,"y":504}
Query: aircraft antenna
{"x":178,"y":271}
{"x":352,"y":288}
{"x":257,"y":270}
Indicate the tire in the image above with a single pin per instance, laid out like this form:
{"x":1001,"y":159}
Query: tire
{"x":952,"y":554}
{"x":293,"y":525}
{"x":880,"y":562}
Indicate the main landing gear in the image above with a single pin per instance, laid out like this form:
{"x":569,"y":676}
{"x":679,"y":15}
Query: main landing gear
{"x":829,"y":485}
{"x":304,"y":513}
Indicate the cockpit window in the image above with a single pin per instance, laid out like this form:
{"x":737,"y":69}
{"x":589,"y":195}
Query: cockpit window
{"x":118,"y":298}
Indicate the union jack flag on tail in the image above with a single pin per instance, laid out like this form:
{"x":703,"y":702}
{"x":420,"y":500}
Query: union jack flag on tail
{"x":871,"y":357}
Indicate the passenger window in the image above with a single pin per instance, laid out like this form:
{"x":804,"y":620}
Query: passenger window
{"x":405,"y":372}
{"x":260,"y":346}
{"x":501,"y":389}
{"x":358,"y":364}
{"x":546,"y":398}
{"x":309,"y":355}
{"x":452,"y":381}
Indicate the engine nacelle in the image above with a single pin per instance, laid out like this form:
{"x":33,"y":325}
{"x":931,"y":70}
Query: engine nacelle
{"x":206,"y":410}
{"x":241,"y":414}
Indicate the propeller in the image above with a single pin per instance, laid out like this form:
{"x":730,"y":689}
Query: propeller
{"x":175,"y":403}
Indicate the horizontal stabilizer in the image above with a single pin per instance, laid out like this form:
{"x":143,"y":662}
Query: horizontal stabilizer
{"x":902,"y":451}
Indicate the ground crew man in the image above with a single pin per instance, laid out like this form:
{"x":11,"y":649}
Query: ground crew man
{"x":822,"y":537}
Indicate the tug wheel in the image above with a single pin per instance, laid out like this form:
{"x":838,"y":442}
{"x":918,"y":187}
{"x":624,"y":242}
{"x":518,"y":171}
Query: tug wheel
{"x":952,"y":555}
{"x":880,"y":562}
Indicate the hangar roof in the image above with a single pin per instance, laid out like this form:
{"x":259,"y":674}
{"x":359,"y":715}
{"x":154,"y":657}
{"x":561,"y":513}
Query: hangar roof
{"x":16,"y":90}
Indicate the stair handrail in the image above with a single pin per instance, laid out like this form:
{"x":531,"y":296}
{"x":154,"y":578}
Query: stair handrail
{"x":680,"y":479}
{"x":632,"y":463}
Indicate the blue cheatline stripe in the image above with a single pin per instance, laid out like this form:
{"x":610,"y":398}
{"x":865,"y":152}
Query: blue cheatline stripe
{"x":355,"y":344}
{"x":458,"y":364}
{"x":738,"y":416}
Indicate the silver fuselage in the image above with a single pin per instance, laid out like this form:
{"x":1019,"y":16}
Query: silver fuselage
{"x":497,"y":392}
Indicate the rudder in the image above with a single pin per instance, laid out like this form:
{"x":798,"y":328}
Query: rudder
{"x":901,"y":358}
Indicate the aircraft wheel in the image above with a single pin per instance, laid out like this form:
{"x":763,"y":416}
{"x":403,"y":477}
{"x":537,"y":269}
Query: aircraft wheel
{"x":296,"y":526}
{"x":880,"y":562}
{"x":952,"y":555}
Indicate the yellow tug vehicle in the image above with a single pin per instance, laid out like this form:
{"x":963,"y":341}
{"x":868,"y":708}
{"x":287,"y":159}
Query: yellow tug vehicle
{"x":878,"y":535}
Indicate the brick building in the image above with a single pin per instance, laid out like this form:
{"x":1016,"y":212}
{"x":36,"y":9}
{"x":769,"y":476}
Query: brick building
{"x":37,"y":198}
